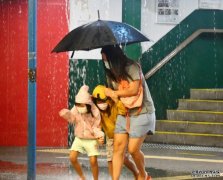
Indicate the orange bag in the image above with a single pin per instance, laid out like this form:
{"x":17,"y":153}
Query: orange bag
{"x":132,"y":101}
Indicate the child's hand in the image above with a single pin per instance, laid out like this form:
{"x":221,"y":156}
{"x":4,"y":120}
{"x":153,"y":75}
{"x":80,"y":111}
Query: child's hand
{"x":101,"y":140}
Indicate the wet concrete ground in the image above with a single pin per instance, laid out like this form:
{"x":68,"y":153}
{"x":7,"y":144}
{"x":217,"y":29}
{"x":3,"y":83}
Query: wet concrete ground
{"x":164,"y":162}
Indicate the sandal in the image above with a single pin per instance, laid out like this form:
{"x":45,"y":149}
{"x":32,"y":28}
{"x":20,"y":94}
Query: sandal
{"x":148,"y":177}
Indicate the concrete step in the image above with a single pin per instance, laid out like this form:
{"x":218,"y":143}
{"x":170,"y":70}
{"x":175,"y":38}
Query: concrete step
{"x":189,"y":126}
{"x":200,"y":105}
{"x":182,"y":138}
{"x":190,"y":115}
{"x":197,"y":121}
{"x":206,"y":94}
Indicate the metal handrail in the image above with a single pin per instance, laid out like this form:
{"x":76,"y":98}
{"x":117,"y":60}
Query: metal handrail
{"x":179,"y":48}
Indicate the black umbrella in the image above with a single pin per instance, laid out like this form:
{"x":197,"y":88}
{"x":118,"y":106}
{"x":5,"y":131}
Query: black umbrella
{"x":98,"y":34}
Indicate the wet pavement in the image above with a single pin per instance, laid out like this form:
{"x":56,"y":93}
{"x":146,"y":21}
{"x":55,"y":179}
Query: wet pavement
{"x":164,"y":162}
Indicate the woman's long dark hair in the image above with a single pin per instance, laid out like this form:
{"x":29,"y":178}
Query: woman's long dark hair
{"x":117,"y":61}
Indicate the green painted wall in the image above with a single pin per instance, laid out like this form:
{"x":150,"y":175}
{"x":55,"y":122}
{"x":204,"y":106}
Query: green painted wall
{"x":197,"y":66}
{"x":131,"y":14}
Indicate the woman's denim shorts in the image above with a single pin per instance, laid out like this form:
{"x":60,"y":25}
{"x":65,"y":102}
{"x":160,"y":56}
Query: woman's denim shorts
{"x":139,"y":125}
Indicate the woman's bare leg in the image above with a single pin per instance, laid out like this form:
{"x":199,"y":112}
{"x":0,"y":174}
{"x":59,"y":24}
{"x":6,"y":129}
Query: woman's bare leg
{"x":120,"y":142}
{"x":94,"y":167}
{"x":134,"y":148}
{"x":76,"y":165}
{"x":131,"y":165}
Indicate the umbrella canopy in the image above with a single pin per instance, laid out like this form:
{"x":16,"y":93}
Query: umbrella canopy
{"x":98,"y":34}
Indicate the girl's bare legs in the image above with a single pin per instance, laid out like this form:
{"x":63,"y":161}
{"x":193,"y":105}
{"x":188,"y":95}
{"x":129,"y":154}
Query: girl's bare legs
{"x":76,"y":165}
{"x":110,"y":169}
{"x":94,"y":167}
{"x":131,"y":166}
{"x":120,"y":142}
{"x":134,"y":148}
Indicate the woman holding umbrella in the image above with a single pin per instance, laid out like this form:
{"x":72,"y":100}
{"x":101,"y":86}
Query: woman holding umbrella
{"x":126,"y":81}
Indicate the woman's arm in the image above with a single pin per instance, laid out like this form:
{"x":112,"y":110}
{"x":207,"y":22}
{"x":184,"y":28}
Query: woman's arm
{"x":132,"y":90}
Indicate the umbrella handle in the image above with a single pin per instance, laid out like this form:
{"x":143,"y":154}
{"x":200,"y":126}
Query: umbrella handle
{"x":98,"y":15}
{"x":72,"y":55}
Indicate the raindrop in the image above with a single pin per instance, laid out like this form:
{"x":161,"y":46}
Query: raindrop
{"x":145,"y":3}
{"x":20,"y":10}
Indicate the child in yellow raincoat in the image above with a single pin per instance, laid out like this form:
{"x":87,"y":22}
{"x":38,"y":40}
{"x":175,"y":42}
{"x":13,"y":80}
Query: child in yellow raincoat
{"x":109,"y":109}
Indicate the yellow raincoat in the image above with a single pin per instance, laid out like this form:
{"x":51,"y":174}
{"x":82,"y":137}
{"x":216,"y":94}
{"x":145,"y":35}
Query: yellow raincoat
{"x":108,"y":121}
{"x":109,"y":116}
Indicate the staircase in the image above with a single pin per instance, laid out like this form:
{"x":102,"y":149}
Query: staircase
{"x":197,"y":121}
